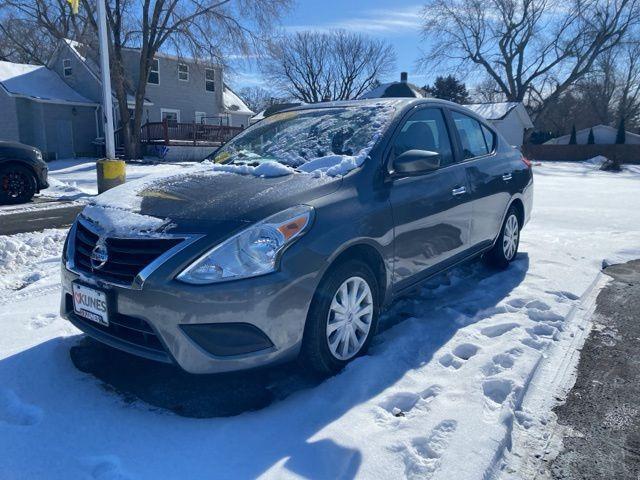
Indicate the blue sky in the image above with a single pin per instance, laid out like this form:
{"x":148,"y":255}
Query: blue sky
{"x":396,"y":21}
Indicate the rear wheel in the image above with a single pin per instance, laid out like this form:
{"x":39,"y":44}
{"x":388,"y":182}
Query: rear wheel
{"x":506,"y":246}
{"x":17,"y":184}
{"x":342,"y":318}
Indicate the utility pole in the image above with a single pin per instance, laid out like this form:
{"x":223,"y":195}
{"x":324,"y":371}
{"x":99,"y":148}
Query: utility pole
{"x":111,"y":172}
{"x":107,"y":106}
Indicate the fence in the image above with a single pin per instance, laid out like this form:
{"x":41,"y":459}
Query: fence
{"x":173,"y":133}
{"x":622,"y":153}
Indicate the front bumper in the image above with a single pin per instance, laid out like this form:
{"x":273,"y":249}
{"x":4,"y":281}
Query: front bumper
{"x":204,"y":329}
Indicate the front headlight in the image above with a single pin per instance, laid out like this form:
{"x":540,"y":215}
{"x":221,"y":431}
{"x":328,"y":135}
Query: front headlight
{"x":252,"y":252}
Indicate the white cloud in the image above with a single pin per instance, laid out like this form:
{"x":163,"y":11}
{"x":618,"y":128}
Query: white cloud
{"x":376,"y":21}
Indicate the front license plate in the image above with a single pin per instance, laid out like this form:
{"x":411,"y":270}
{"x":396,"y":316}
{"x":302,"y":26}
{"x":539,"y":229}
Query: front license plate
{"x":90,"y":304}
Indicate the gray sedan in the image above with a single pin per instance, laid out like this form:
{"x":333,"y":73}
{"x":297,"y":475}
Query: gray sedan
{"x":290,"y":240}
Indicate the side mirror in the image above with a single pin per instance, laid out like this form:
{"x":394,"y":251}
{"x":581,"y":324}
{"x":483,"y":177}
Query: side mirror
{"x":416,"y":162}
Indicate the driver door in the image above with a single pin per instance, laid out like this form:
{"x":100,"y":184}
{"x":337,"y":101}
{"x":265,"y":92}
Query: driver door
{"x":431,"y":210}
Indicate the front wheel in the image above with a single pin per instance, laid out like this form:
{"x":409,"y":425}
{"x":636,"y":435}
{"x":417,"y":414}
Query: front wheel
{"x":506,"y":246}
{"x":342,"y":318}
{"x":17,"y":184}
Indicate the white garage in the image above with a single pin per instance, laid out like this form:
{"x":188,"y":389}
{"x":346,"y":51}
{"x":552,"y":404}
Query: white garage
{"x":509,"y":118}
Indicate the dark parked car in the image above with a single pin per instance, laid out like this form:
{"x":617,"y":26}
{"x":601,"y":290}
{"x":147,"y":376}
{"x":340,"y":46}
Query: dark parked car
{"x":306,"y":226}
{"x":23,"y":173}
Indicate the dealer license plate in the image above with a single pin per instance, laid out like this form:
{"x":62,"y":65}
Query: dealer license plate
{"x":90,"y":304}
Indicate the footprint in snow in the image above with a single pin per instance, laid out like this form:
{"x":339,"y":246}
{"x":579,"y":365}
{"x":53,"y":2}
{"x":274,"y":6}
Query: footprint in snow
{"x":401,"y":403}
{"x":41,"y":321}
{"x":108,"y":467}
{"x":535,"y":343}
{"x":14,"y":411}
{"x":501,"y":362}
{"x":459,"y":355}
{"x":564,"y":295}
{"x":498,"y":330}
{"x":422,"y":458}
{"x":544,"y":316}
{"x":543,"y":330}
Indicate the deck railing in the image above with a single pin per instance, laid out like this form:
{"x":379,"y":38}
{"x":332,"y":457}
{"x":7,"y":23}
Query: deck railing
{"x":174,"y":133}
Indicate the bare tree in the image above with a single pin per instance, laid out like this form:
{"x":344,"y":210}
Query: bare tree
{"x":259,"y":98}
{"x":23,"y":41}
{"x":197,"y":28}
{"x":629,"y":90}
{"x":336,"y":65}
{"x":534,"y":50}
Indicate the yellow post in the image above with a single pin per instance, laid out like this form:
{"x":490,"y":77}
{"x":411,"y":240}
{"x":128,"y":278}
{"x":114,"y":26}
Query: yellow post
{"x":111,"y":173}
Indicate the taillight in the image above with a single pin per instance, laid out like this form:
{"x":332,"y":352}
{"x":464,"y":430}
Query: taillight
{"x":526,"y":161}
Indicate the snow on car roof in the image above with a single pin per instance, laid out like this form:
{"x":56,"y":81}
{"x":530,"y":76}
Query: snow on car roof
{"x":38,"y":82}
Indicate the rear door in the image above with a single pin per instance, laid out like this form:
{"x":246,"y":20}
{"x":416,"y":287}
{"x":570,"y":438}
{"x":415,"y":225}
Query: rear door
{"x":431,"y":212}
{"x":489,"y":175}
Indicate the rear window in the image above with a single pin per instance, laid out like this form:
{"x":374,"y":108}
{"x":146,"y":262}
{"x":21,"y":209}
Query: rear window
{"x":472,"y":136}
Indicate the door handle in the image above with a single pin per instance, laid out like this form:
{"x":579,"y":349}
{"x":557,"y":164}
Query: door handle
{"x":506,"y":177}
{"x":458,"y":191}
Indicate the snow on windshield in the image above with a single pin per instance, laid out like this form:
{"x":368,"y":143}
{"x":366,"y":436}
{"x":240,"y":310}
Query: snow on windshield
{"x":329,"y":141}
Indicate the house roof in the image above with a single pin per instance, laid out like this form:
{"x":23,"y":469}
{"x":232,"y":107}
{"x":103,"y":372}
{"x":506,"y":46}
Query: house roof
{"x":39,"y":83}
{"x":493,"y":111}
{"x":232,"y":103}
{"x":394,"y":90}
{"x":84,"y":53}
{"x":500,"y":110}
{"x":585,"y":131}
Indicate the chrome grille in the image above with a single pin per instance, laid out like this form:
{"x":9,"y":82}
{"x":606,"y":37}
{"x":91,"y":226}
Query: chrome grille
{"x":127,"y":257}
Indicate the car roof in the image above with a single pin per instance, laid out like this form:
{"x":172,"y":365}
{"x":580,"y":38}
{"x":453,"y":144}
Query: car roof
{"x":402,"y":103}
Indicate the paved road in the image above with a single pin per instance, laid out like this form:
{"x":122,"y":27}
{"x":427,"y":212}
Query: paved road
{"x":37,"y":216}
{"x":603,"y":408}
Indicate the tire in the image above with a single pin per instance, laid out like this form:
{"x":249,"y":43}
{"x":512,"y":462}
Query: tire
{"x":323,"y":352}
{"x":506,"y":247}
{"x":17,"y":184}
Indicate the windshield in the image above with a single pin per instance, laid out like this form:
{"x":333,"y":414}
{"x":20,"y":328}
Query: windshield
{"x":309,"y":140}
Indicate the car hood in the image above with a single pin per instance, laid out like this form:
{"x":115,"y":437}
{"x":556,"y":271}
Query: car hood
{"x":202,"y":200}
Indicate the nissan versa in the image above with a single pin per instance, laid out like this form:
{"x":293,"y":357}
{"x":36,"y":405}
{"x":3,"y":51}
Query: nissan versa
{"x":292,"y":237}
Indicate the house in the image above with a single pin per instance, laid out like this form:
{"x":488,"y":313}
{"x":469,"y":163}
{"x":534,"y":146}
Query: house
{"x":602,"y":135}
{"x":178,"y":89}
{"x":509,"y":118}
{"x":39,"y":109}
{"x":395,"y":89}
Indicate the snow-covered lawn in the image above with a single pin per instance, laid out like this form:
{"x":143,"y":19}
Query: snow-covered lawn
{"x":76,"y":177}
{"x":441,"y":395}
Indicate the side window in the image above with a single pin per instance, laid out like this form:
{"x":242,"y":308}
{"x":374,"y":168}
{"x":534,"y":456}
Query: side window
{"x":425,"y":130}
{"x":489,"y":138}
{"x":471,"y":135}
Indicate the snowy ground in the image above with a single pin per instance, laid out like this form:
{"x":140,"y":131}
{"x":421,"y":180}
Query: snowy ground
{"x":75,"y":178}
{"x":446,"y":387}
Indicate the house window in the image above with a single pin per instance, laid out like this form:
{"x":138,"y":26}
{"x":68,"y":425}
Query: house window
{"x":154,"y":73}
{"x":209,"y":80}
{"x":183,"y":72}
{"x":170,"y":115}
{"x":66,"y":67}
{"x":201,"y":117}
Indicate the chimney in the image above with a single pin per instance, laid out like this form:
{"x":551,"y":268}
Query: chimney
{"x":404,"y":77}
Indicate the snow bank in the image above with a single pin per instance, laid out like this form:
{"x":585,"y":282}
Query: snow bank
{"x":21,"y":252}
